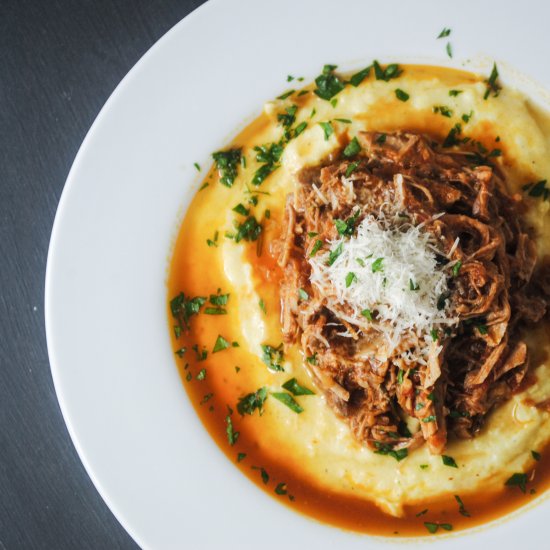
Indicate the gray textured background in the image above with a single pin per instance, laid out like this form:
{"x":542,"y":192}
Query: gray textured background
{"x":59,"y":62}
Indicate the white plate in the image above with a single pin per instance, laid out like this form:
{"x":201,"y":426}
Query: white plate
{"x":116,"y":380}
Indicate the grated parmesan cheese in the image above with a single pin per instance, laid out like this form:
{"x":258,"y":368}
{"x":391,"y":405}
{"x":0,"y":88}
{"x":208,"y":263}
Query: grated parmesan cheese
{"x":390,"y":268}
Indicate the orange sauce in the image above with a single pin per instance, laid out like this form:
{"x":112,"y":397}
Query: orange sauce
{"x":194,"y":271}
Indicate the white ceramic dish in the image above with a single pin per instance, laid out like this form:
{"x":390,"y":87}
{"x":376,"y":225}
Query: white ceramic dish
{"x":116,"y":379}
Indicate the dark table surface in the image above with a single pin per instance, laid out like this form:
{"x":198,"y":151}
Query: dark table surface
{"x":59,"y":62}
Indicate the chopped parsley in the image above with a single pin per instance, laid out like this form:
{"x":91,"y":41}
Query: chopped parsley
{"x":449,"y":49}
{"x":444,"y":33}
{"x":461,"y":508}
{"x":219,"y":299}
{"x":401,"y":95}
{"x":288,"y":400}
{"x":200,"y":355}
{"x":384,"y":449}
{"x":206,"y":398}
{"x":288,"y":118}
{"x":352,"y":148}
{"x":296,"y":389}
{"x":492,"y":83}
{"x":482,"y":329}
{"x":413,"y":285}
{"x":334,"y":253}
{"x":215,"y":311}
{"x":227,"y":163}
{"x":466,"y":117}
{"x":281,"y":489}
{"x":251,"y":402}
{"x":180,"y":352}
{"x":367,"y":313}
{"x":424,"y":466}
{"x":261,"y":303}
{"x":242,"y":210}
{"x":357,"y":78}
{"x":214,"y":241}
{"x":536,"y":455}
{"x":232,"y":435}
{"x":327,"y":129}
{"x":351,"y":168}
{"x":422,"y":513}
{"x":434,"y":334}
{"x":286,"y":94}
{"x":449,"y":461}
{"x":318,"y":244}
{"x":241,"y":457}
{"x":456,"y":268}
{"x":268,"y":155}
{"x":517,"y":480}
{"x":377,"y":265}
{"x":183,"y":309}
{"x":443,"y":110}
{"x":328,"y":83}
{"x":312,"y":359}
{"x":300,"y":128}
{"x":452,"y":136}
{"x":433,"y":527}
{"x":391,"y":71}
{"x":272,"y":357}
{"x":431,"y":418}
{"x":201,"y":375}
{"x":454,"y":93}
{"x":346,"y":228}
{"x":249,"y":230}
{"x":380,"y":139}
{"x":221,"y":344}
{"x":351,"y":278}
{"x":197,"y":166}
{"x":263,"y":473}
{"x":537,"y":189}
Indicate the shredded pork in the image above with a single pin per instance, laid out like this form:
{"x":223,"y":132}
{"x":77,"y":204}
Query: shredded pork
{"x":494,"y":289}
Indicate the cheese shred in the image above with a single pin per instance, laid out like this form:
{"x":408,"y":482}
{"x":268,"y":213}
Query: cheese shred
{"x":395,"y":278}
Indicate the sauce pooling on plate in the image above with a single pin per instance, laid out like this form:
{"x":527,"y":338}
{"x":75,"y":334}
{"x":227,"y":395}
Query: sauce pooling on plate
{"x":256,"y":397}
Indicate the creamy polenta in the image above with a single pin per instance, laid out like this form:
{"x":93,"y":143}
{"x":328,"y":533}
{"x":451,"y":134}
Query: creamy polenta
{"x":303,"y":457}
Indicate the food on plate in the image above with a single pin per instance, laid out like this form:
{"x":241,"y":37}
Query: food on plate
{"x":359,"y":296}
{"x":418,"y":275}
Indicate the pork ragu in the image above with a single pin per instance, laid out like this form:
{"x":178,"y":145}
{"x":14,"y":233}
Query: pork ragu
{"x":494,"y":287}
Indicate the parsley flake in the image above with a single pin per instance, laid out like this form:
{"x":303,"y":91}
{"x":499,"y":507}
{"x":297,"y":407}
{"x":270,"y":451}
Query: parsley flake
{"x":227,"y":163}
{"x":272,"y":357}
{"x":288,"y":400}
{"x":517,"y":480}
{"x":357,"y":78}
{"x":401,"y":95}
{"x":296,"y":389}
{"x":252,"y":402}
{"x":352,"y":148}
{"x":449,"y":461}
{"x":221,"y":344}
{"x":328,"y":83}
